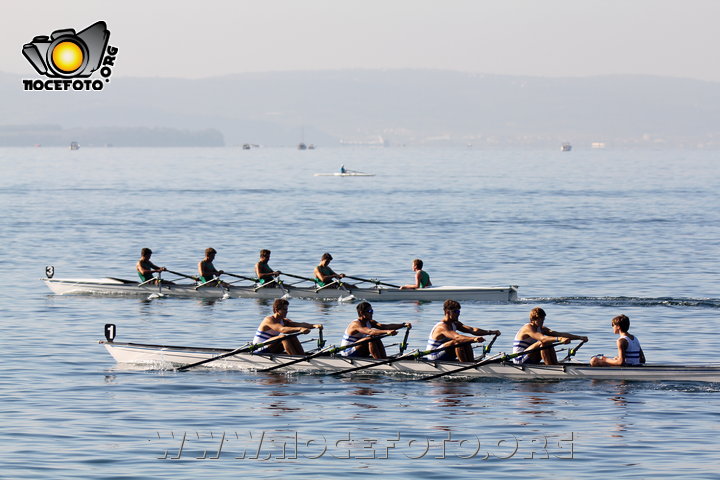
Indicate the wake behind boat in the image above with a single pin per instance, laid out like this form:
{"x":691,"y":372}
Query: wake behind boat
{"x":169,"y":357}
{"x":118,"y":286}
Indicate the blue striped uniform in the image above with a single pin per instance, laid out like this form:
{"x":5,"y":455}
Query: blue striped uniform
{"x":435,"y":344}
{"x":632,"y":351}
{"x":520,"y":346}
{"x":264,"y":336}
{"x":350,"y":339}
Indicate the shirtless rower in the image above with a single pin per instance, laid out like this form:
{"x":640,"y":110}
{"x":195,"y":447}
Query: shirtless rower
{"x":324,"y":275}
{"x":146,"y":268}
{"x":445,"y":334}
{"x":629,"y":350}
{"x":263,"y":272}
{"x":365,"y":327}
{"x":535,"y":335}
{"x":207,"y":271}
{"x":278,"y":324}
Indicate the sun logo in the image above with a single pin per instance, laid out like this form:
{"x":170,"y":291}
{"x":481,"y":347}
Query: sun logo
{"x":67,"y":56}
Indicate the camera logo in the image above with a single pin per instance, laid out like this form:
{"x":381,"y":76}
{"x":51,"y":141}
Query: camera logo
{"x":68,"y":55}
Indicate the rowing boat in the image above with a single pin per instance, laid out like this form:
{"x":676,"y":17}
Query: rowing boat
{"x":168,"y":357}
{"x":346,"y":174}
{"x":118,"y":286}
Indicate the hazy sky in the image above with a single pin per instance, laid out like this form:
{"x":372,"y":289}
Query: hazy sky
{"x":517,"y":37}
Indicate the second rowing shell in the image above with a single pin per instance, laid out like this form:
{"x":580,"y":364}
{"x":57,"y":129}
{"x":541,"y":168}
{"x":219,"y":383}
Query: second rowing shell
{"x":116,"y":286}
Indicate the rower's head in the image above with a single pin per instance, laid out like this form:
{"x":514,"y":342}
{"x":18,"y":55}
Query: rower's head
{"x":210,"y":252}
{"x":537,"y":316}
{"x":365,"y":310}
{"x":622,"y":322}
{"x":280,"y":304}
{"x":264,"y":254}
{"x":145,"y":253}
{"x":326,"y":258}
{"x":451,"y":309}
{"x":417,"y":264}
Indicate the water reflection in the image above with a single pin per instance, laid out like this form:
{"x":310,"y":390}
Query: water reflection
{"x":536,"y":399}
{"x":619,"y":399}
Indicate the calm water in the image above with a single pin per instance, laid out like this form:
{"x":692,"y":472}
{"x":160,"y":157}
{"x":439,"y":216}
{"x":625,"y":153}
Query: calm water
{"x":586,"y":235}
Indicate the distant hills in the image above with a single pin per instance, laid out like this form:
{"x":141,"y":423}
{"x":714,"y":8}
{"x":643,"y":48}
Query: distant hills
{"x":397,"y":107}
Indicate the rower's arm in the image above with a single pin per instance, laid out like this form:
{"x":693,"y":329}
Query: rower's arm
{"x":544,"y":336}
{"x":453,"y":335}
{"x":393,"y":326}
{"x":376,"y":329}
{"x":569,"y":336}
{"x":477,"y":331}
{"x":298,"y":326}
{"x":413,"y":287}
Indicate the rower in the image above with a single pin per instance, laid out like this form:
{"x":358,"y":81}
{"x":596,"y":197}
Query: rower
{"x":535,"y":335}
{"x":629,"y":350}
{"x":263,"y":272}
{"x":278,"y":324}
{"x":445,"y":335}
{"x":326,"y":276}
{"x":145,"y":268}
{"x":422,"y":279}
{"x":365,"y":327}
{"x":208,"y":272}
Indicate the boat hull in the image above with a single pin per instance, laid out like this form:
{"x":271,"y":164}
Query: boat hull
{"x":164,"y":357}
{"x":112,"y":286}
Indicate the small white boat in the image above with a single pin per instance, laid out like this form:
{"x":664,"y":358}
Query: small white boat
{"x":565,"y":147}
{"x":110,"y":286}
{"x":155,"y":357}
{"x":344,"y":172}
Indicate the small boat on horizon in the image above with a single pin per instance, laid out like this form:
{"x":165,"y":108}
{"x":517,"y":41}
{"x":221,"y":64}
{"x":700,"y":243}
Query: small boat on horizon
{"x":565,"y":147}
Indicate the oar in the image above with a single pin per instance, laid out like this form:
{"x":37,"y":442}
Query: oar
{"x":335,"y":282}
{"x":572,"y":352}
{"x":213,"y":282}
{"x":376,"y":282}
{"x":414,"y":354}
{"x":403,"y":344}
{"x":328,"y":351}
{"x":242,"y":349}
{"x":146,"y":282}
{"x":488,"y":347}
{"x":242,"y":277}
{"x":500,"y":357}
{"x":182,"y":275}
{"x":299,"y":277}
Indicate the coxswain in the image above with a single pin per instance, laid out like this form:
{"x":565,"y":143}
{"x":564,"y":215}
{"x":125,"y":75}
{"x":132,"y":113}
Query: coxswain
{"x":629,"y":350}
{"x":422,"y":279}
